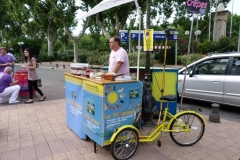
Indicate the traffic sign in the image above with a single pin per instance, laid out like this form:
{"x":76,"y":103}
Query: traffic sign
{"x":161,"y":35}
{"x":123,"y":35}
{"x":134,"y":34}
{"x":157,"y":35}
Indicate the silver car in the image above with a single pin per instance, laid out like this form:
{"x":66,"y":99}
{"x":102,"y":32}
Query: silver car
{"x":214,"y":78}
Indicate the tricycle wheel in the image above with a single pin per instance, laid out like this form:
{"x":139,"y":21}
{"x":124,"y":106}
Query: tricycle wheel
{"x":125,"y":144}
{"x":180,"y":135}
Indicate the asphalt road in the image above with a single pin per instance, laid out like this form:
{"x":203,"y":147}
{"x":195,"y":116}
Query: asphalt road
{"x":52,"y":81}
{"x":53,"y":87}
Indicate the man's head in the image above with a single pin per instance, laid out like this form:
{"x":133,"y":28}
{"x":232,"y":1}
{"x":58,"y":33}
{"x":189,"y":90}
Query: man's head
{"x":8,"y":70}
{"x":3,"y":50}
{"x":114,"y":43}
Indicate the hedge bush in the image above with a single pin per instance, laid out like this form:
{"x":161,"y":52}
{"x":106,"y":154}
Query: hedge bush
{"x":82,"y":58}
{"x":59,"y":56}
{"x":55,"y":54}
{"x":133,"y":57}
{"x":70,"y":58}
{"x":170,"y":55}
{"x":192,"y":58}
{"x":64,"y":57}
{"x":42,"y":57}
{"x":103,"y":60}
{"x":51,"y":58}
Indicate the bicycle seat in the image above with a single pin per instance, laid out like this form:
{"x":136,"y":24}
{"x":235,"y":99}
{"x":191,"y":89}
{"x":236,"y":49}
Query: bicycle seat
{"x":169,"y":97}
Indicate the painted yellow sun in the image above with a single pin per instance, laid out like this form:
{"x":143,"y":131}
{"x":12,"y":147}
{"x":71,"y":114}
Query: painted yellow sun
{"x":112,"y":97}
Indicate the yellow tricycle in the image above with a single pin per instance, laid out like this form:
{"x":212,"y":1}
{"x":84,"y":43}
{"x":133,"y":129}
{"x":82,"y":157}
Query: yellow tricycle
{"x":185,"y":128}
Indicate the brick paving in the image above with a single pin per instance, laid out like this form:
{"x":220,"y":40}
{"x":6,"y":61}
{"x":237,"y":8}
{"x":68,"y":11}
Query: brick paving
{"x":38,"y":131}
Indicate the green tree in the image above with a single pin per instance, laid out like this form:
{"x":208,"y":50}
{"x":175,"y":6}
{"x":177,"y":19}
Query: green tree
{"x":21,"y":11}
{"x":235,"y":25}
{"x":65,"y":11}
{"x":206,"y":47}
{"x":9,"y":29}
{"x":224,"y":44}
{"x":44,"y":13}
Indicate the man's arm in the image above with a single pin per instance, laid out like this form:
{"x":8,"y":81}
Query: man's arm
{"x":12,"y":64}
{"x":13,"y":83}
{"x":5,"y":64}
{"x":117,"y":66}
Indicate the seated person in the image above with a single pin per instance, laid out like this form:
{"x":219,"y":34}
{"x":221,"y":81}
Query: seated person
{"x":8,"y":88}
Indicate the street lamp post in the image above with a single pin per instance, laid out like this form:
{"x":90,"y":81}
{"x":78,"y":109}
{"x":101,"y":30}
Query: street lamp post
{"x":21,"y":44}
{"x":197,"y":32}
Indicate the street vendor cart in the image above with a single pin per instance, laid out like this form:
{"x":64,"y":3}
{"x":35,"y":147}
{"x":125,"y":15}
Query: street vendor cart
{"x":97,"y":107}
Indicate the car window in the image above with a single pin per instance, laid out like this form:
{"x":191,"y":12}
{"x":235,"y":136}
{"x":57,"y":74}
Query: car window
{"x":214,"y":66}
{"x":236,"y":66}
{"x":189,"y":69}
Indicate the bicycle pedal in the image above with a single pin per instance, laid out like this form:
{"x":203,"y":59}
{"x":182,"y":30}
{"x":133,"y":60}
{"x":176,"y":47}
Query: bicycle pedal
{"x":199,"y":110}
{"x":159,"y":143}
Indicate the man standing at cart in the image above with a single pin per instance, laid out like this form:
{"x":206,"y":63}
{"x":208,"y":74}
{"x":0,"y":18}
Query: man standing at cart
{"x":118,"y":59}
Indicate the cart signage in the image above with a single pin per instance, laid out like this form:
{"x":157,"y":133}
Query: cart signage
{"x":93,"y":112}
{"x":74,"y":80}
{"x":93,"y":87}
{"x":120,"y":105}
{"x":74,"y":105}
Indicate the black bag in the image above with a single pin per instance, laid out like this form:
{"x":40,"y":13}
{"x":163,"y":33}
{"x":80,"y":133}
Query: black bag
{"x":149,"y":104}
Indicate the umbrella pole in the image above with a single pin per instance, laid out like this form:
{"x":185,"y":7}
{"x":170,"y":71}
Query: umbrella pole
{"x":139,"y":19}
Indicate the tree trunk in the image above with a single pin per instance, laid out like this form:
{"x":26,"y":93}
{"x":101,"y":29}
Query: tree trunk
{"x":75,"y":44}
{"x":50,"y":46}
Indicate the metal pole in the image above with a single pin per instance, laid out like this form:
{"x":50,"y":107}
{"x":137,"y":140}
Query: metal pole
{"x":147,"y":75}
{"x":215,"y":21}
{"x":138,"y":61}
{"x":189,"y":44}
{"x":22,"y":54}
{"x":210,"y":21}
{"x":239,"y":39}
{"x":139,"y":19}
{"x":176,"y":48}
{"x":231,"y":20}
{"x":197,"y":28}
{"x":129,"y":43}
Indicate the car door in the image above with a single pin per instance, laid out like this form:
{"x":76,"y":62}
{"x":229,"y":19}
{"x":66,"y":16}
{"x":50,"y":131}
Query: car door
{"x":206,"y":80}
{"x":232,"y":84}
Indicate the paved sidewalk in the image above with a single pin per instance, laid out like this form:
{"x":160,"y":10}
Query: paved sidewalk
{"x":39,"y":131}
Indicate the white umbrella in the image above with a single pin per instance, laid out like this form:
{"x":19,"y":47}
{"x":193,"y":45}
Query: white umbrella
{"x":106,"y":4}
